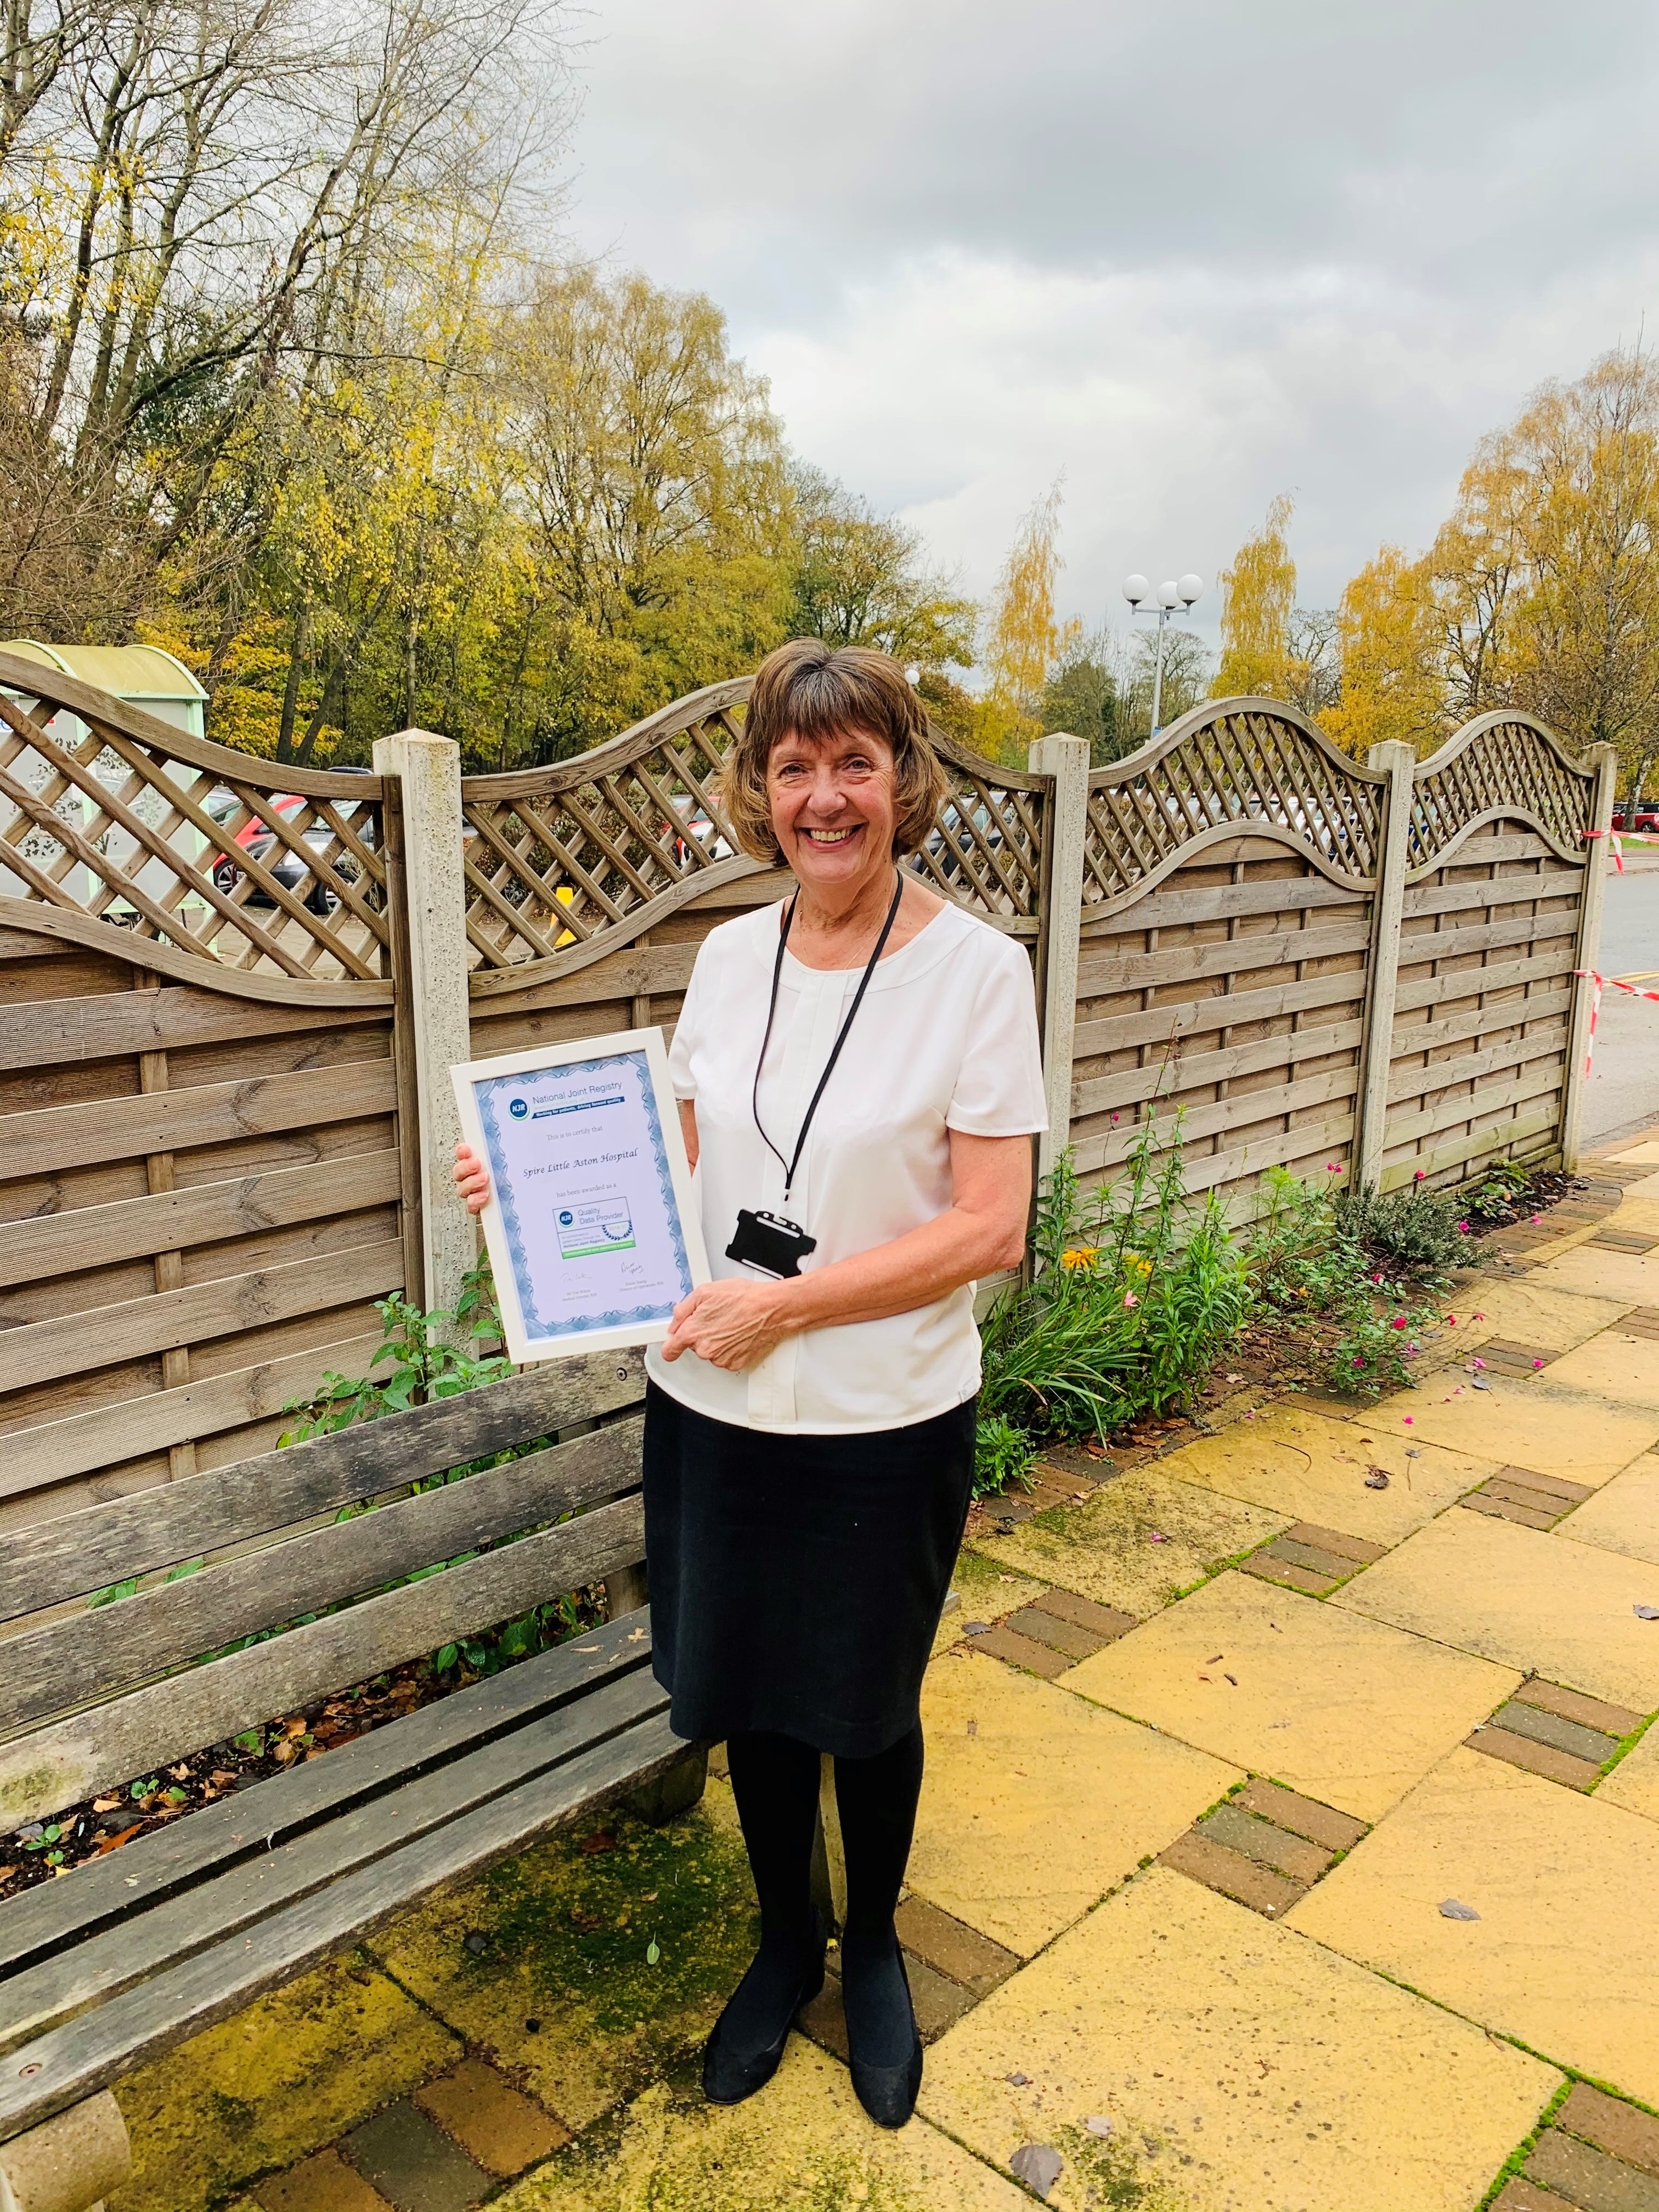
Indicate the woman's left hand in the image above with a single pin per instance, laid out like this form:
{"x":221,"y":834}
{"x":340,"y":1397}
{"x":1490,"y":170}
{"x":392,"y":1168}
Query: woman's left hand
{"x":730,"y":1324}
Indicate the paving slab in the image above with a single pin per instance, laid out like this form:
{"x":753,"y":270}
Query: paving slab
{"x":1530,"y":1599}
{"x":1614,"y":1365}
{"x":801,"y":2145}
{"x":272,"y":2083}
{"x":1565,"y":1952}
{"x":1527,"y":1310}
{"x":322,"y":2183}
{"x":563,"y":1992}
{"x":1348,"y":1715}
{"x":413,"y":2163}
{"x":1574,"y":1434}
{"x":1641,"y":1153}
{"x":1035,"y":1801}
{"x":1634,"y":1783}
{"x":1632,"y":1277}
{"x":983,"y":1593}
{"x":1623,"y":1515}
{"x":1240,"y":2068}
{"x":1295,"y":1462}
{"x":489,"y":2117}
{"x":1136,"y":1542}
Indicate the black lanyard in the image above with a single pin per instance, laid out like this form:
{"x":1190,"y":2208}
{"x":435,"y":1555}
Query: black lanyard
{"x":789,"y":1166}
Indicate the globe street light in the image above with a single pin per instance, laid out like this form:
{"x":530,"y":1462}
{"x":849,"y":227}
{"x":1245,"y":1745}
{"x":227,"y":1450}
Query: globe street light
{"x":1180,"y":593}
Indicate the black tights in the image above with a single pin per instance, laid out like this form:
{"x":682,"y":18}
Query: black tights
{"x":774,"y":1779}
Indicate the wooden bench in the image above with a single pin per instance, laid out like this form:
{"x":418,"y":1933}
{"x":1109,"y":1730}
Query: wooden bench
{"x":124,"y":1958}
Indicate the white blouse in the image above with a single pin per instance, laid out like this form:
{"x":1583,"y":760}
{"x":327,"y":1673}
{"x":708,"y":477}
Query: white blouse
{"x":946,"y":1038}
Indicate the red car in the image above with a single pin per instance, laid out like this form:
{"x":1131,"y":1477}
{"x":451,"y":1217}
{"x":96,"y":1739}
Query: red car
{"x":1645,"y":818}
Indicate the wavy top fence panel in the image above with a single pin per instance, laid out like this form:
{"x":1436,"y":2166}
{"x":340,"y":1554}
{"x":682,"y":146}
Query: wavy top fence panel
{"x":1501,"y":767}
{"x":565,"y":864}
{"x":1231,"y":764}
{"x":230,"y":871}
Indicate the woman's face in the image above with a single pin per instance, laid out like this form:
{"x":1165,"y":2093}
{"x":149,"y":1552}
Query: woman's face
{"x":832,"y":807}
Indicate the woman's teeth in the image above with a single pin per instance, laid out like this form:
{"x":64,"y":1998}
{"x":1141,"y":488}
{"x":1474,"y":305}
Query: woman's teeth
{"x":828,"y":836}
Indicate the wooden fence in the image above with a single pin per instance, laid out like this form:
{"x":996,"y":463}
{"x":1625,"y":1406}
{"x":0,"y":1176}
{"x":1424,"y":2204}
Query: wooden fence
{"x":229,"y":995}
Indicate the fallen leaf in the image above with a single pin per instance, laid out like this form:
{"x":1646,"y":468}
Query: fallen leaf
{"x":1019,"y":2080}
{"x":114,"y":1843}
{"x":477,"y":1943}
{"x":296,"y":1727}
{"x":6,"y":1872}
{"x":105,"y":1804}
{"x":1097,"y":2124}
{"x":1646,"y":1611}
{"x":1038,"y":2166}
{"x":1233,"y":1679}
{"x":976,"y":1628}
{"x":1215,"y":1659}
{"x":1451,"y":1910}
{"x":180,"y":1773}
{"x":652,"y":1951}
{"x":1377,"y":1480}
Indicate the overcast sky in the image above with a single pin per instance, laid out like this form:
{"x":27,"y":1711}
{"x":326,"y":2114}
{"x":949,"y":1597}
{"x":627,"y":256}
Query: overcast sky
{"x":1192,"y":256}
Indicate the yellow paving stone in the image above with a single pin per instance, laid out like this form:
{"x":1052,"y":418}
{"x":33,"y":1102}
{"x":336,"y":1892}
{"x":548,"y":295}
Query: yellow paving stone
{"x":1632,"y":1277}
{"x":803,"y":2145}
{"x":1296,"y":1462}
{"x":1565,"y":1954}
{"x":1623,"y":1515}
{"x":271,"y":2083}
{"x":1612,"y":1365}
{"x":1641,"y":1153}
{"x":1105,"y":1548}
{"x":566,"y":1933}
{"x":1530,"y":1600}
{"x":1639,"y":1212}
{"x":1029,"y":1819}
{"x":1242,"y":2069}
{"x":1351,"y":1713}
{"x":1574,"y":1434}
{"x":1634,"y":1783}
{"x":1643,"y":1190}
{"x":1527,"y":1310}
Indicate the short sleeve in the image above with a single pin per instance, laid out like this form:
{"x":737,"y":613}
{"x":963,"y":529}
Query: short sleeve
{"x":999,"y":1087}
{"x":685,"y":1032}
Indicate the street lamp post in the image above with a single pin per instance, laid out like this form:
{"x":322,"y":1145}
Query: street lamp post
{"x":1139,"y":593}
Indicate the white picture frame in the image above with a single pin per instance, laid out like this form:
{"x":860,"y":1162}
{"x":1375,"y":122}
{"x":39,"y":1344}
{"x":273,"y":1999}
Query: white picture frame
{"x":592,"y":1227}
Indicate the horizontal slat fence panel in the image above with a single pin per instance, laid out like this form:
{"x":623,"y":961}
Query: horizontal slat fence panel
{"x":1233,"y":996}
{"x":1478,"y":1067}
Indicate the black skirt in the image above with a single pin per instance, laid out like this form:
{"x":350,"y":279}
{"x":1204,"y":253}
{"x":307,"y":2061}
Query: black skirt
{"x":797,"y":1582}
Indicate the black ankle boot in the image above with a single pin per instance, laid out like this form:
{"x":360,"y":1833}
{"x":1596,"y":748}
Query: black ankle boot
{"x":889,"y":2093}
{"x":744,"y":2053}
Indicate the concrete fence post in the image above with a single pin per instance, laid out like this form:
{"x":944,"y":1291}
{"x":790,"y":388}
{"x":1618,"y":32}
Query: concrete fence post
{"x":1587,"y":950}
{"x":1398,"y":762}
{"x":432,"y":994}
{"x":1065,"y":759}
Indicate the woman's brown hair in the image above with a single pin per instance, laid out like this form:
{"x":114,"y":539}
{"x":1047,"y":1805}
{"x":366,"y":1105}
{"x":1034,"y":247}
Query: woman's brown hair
{"x":819,"y":691}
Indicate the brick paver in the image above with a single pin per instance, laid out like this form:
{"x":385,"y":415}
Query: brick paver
{"x":1616,"y":2128}
{"x":323,"y":2183}
{"x":1574,"y":1705}
{"x":490,"y":2118}
{"x":1535,"y":1758}
{"x":1589,"y":2177}
{"x":1294,"y":1857}
{"x":413,"y":2164}
{"x":951,"y":1947}
{"x":1219,"y":1868}
{"x":1338,"y":1832}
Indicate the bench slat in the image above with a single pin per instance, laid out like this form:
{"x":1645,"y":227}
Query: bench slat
{"x":66,"y":1762}
{"x":74,"y":2061}
{"x":58,"y":1668}
{"x":61,"y":1989}
{"x":79,"y":1553}
{"x":193,"y":1848}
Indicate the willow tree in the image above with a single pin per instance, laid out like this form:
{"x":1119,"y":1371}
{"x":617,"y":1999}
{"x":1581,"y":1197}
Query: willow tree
{"x":1026,"y":638}
{"x":1258,"y":595}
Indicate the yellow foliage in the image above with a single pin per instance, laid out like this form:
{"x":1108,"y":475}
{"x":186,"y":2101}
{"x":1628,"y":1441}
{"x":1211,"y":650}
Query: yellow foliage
{"x":1258,"y":593}
{"x":1386,"y":627}
{"x":1026,"y":639}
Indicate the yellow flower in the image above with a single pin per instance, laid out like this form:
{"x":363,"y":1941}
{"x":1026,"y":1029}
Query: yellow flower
{"x":1083,"y":1255}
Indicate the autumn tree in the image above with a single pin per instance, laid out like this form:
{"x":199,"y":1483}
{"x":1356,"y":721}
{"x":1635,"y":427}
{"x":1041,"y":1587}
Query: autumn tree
{"x":862,"y":578}
{"x":1388,"y":637}
{"x":1258,"y":594}
{"x":1080,"y":696}
{"x":1025,"y":635}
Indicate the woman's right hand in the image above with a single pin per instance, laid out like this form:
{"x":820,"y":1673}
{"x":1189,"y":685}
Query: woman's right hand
{"x":471,"y":1178}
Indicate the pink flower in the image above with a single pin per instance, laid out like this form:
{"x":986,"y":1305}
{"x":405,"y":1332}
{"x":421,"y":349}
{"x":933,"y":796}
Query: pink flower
{"x":1398,"y":1322}
{"x":1537,"y":1363}
{"x":1462,"y":1228}
{"x":1451,"y":1321}
{"x":1407,"y":1419}
{"x":1480,"y":1316}
{"x":1359,"y":1359}
{"x":1116,"y":1119}
{"x":1130,"y":1299}
{"x":1421,"y":1175}
{"x":1332,"y":1168}
{"x":1536,"y":1218}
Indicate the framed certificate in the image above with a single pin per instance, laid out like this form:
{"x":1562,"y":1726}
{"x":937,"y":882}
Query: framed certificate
{"x":592,"y":1231}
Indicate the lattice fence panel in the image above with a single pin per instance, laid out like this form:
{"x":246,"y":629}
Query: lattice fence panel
{"x":1233,"y":991}
{"x":561,"y":860}
{"x":188,"y":843}
{"x":1499,"y":763}
{"x":1234,"y":763}
{"x":1479,"y":1063}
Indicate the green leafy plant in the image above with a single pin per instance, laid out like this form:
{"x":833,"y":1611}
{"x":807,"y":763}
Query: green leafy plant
{"x":1423,"y":1231}
{"x":1309,"y":1258}
{"x":1002,"y":1455}
{"x":431,"y":1355}
{"x":1136,"y":1288}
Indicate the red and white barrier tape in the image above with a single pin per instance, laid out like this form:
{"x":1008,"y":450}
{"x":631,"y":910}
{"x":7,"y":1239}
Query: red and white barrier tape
{"x":1598,"y":984}
{"x":1619,"y":840}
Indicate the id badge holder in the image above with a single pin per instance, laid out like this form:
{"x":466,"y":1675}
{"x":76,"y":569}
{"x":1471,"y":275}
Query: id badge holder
{"x":769,"y":1244}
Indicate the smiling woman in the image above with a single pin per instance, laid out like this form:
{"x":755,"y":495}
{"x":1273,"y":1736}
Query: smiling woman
{"x":859,"y":1081}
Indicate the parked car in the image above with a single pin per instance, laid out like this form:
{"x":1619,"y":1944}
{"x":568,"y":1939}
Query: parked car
{"x":1643,"y":817}
{"x":261,"y":844}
